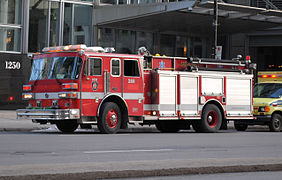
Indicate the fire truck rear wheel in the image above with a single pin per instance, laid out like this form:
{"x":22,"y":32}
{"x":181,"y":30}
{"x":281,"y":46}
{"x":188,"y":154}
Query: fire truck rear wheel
{"x":211,"y":119}
{"x":67,"y":126}
{"x":275,"y":123}
{"x":109,"y":121}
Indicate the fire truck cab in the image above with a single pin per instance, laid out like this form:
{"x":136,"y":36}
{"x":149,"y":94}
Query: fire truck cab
{"x":78,"y":85}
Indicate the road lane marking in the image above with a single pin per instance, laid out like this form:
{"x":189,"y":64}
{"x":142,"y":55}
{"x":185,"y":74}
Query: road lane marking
{"x":128,"y":151}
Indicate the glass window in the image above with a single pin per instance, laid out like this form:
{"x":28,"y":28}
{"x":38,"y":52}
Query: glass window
{"x":167,"y":44}
{"x":67,"y":39}
{"x":38,"y":25}
{"x":108,"y":1}
{"x":144,"y":39}
{"x":10,"y":39}
{"x":125,"y":41}
{"x":40,"y":69}
{"x":10,"y":11}
{"x":148,"y":1}
{"x":106,"y":37}
{"x":55,"y":68}
{"x":268,"y":90}
{"x":82,"y":24}
{"x":122,"y":1}
{"x":54,"y":24}
{"x":131,"y":68}
{"x":63,"y":68}
{"x":115,"y":67}
{"x":94,"y":67}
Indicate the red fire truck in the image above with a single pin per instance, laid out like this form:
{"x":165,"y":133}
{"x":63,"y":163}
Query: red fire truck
{"x":78,"y":85}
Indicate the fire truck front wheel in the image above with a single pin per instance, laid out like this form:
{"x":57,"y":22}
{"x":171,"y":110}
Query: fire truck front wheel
{"x":211,"y":119}
{"x":109,"y":121}
{"x":67,"y":126}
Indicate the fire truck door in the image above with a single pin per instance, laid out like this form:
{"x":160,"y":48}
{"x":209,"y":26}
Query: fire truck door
{"x":92,"y":87}
{"x":133,"y":87}
{"x":115,"y":76}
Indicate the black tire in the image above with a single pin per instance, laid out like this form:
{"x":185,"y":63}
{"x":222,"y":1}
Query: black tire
{"x":211,"y":119}
{"x":240,"y":127}
{"x":275,"y":123}
{"x":109,"y":121}
{"x":67,"y":126}
{"x":168,"y":126}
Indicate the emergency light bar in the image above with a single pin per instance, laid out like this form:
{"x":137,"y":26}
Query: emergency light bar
{"x":65,"y":48}
{"x":269,"y":76}
{"x":78,"y":47}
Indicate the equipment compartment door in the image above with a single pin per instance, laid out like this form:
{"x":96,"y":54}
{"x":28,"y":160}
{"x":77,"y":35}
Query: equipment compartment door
{"x":238,"y":97}
{"x":188,"y":96}
{"x":167,"y":95}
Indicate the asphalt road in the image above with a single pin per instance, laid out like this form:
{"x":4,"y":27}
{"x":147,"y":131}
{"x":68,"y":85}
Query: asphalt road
{"x":50,"y":152}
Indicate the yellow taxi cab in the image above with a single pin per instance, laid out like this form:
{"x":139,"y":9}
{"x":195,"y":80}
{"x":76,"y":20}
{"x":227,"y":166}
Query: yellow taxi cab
{"x":267,"y":102}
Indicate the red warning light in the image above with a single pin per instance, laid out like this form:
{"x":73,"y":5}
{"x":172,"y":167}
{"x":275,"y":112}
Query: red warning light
{"x":11,"y":98}
{"x":273,"y":76}
{"x":264,"y":76}
{"x":248,"y":58}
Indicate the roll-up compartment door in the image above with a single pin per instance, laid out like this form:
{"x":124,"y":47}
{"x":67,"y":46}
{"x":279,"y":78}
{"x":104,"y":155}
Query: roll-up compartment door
{"x":167,"y":95}
{"x":238,"y":97}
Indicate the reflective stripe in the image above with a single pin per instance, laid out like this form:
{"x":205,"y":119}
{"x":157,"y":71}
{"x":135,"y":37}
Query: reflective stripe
{"x":46,"y":95}
{"x":238,"y":108}
{"x":151,"y":107}
{"x":167,"y":107}
{"x":89,"y":95}
{"x":191,"y":107}
{"x":133,"y":96}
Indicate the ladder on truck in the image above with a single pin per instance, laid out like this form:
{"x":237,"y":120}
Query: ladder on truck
{"x":234,"y":65}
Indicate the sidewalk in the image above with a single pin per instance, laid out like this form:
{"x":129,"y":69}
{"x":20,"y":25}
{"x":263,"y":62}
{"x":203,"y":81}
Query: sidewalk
{"x":9,"y":122}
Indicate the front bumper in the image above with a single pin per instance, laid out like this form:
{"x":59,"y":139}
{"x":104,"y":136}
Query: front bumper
{"x":258,"y":120}
{"x":48,"y":114}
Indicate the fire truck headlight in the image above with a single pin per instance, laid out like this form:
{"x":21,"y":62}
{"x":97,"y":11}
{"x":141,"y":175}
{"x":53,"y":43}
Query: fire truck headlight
{"x":27,"y":96}
{"x":74,"y":111}
{"x":62,"y":95}
{"x":69,"y":95}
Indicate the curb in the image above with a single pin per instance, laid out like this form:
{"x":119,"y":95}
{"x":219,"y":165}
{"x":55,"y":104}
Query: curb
{"x":149,"y":173}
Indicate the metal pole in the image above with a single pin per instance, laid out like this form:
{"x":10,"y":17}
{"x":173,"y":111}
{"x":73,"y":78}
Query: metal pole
{"x":215,"y":24}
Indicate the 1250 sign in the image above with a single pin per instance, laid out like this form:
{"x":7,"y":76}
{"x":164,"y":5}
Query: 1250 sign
{"x":13,"y":65}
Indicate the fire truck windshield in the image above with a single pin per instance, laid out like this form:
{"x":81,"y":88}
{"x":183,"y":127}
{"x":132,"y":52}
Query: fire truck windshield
{"x":55,"y":68}
{"x":268,"y":90}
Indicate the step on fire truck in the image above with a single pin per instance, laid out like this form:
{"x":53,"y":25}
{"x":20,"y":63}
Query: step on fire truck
{"x":78,"y":85}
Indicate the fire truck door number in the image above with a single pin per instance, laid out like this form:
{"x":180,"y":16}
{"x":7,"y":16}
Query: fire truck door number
{"x":131,"y":81}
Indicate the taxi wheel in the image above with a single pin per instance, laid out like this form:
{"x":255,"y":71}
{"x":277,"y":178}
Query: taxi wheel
{"x":67,"y":126}
{"x":275,"y":123}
